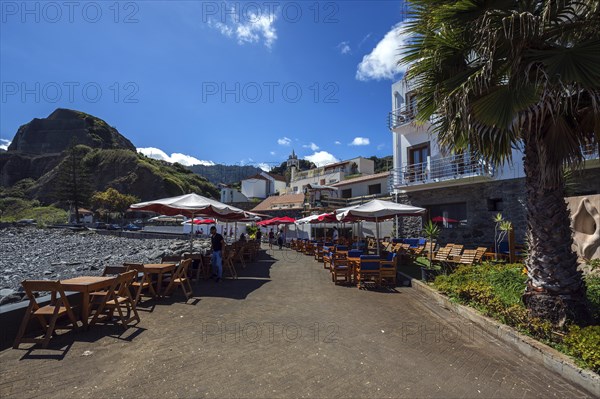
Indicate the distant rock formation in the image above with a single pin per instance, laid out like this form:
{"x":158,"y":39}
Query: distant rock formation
{"x":585,"y":223}
{"x":54,"y":134}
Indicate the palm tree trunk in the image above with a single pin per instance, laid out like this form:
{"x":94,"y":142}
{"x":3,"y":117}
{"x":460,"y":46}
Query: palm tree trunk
{"x":555,"y":290}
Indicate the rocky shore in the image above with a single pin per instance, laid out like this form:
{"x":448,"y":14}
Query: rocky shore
{"x":56,"y":254}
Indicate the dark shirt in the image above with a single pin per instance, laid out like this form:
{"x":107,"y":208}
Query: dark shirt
{"x":216,"y":242}
{"x":258,"y":235}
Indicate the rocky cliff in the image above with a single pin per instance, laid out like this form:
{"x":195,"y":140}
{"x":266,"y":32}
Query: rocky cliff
{"x":111,"y":160}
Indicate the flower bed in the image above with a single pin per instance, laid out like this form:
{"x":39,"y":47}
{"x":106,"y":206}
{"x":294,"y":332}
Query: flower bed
{"x":496,"y":289}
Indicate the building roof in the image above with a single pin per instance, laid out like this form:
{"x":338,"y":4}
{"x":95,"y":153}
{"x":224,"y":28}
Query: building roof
{"x":275,"y":201}
{"x":362,"y":178}
{"x":262,"y":177}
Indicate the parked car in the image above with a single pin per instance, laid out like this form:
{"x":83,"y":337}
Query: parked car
{"x":100,"y":226}
{"x":113,"y":227}
{"x":131,"y":227}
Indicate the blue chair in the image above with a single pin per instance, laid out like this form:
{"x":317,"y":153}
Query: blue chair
{"x":369,"y":269}
{"x":340,"y":268}
{"x":355,"y":253}
{"x":388,"y":269}
{"x":341,"y":247}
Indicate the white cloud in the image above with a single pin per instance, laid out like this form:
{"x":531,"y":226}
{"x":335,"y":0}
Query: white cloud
{"x":364,"y":39}
{"x":4,"y":144}
{"x":264,"y":166}
{"x":251,"y":28}
{"x":321,"y":158}
{"x":183,"y":159}
{"x":337,"y":142}
{"x":312,"y":146}
{"x":382,"y":62}
{"x":272,"y":153}
{"x":360,"y":141}
{"x":284,"y":141}
{"x":344,"y":48}
{"x":380,"y":146}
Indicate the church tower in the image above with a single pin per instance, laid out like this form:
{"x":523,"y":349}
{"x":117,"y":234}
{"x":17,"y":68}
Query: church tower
{"x":293,"y":164}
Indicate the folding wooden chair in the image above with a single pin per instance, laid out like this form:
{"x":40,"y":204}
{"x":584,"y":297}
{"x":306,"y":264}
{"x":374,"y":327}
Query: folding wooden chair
{"x":180,"y":278}
{"x":47,"y":315}
{"x":228,"y":261}
{"x":142,"y":281}
{"x":479,"y":255}
{"x":118,"y":299}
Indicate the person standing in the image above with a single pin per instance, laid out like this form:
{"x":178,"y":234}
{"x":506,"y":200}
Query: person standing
{"x":271,"y":238}
{"x":335,"y":235}
{"x":258,"y":235}
{"x":280,"y":239}
{"x":217,"y":243}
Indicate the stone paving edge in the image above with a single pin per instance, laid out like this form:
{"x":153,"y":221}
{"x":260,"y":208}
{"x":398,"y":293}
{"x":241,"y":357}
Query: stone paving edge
{"x":541,"y":353}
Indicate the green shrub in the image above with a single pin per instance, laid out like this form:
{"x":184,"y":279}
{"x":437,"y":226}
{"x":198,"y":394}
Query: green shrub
{"x":593,"y":295}
{"x":584,"y":345}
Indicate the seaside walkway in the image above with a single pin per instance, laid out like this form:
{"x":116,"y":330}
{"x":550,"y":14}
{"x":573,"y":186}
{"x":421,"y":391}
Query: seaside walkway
{"x":282,"y":330}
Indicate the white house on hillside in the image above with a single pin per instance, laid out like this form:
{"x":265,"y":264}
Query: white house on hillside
{"x":263,"y":185}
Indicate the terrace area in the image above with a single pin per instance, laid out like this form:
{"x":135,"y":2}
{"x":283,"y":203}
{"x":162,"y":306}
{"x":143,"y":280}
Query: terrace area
{"x":283,"y":330}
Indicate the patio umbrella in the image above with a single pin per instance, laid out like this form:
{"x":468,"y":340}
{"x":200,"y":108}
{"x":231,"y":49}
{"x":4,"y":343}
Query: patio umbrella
{"x":442,"y":219}
{"x":191,"y":205}
{"x":201,"y":221}
{"x":378,"y":210}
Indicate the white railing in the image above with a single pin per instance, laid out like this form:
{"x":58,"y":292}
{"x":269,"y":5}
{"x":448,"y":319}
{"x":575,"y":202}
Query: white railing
{"x":441,"y":169}
{"x":590,"y":151}
{"x":401,"y":116}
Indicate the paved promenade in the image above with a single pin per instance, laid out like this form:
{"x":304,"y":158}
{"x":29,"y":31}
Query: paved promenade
{"x":283,"y":330}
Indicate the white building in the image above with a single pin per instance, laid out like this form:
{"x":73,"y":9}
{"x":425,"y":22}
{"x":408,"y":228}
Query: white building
{"x":230,"y":195}
{"x":263,"y":185}
{"x":460,"y":190}
{"x":329,"y":174}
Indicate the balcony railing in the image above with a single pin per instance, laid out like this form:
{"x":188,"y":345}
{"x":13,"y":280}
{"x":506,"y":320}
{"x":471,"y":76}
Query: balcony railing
{"x":400,"y":116}
{"x":441,"y":169}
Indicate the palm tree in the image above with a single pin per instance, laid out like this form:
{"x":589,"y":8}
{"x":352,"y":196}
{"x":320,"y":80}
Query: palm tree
{"x":492,"y":76}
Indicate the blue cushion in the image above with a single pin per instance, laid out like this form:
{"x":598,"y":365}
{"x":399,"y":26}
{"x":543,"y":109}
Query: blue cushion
{"x":422,"y":241}
{"x":413,"y":242}
{"x":396,"y":240}
{"x":390,"y":256}
{"x":342,"y":248}
{"x":369,"y":262}
{"x":329,"y":244}
{"x":355,"y":253}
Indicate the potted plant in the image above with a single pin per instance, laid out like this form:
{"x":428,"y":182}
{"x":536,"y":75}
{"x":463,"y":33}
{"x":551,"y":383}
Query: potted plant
{"x":501,"y":229}
{"x":431,"y":231}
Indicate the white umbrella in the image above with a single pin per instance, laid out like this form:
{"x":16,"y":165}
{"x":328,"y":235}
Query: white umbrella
{"x":191,"y":205}
{"x":378,"y":210}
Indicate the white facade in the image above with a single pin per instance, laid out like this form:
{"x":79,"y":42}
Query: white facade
{"x":418,"y":161}
{"x":331,"y":174}
{"x":376,"y":184}
{"x":262,"y":186}
{"x":229,"y":195}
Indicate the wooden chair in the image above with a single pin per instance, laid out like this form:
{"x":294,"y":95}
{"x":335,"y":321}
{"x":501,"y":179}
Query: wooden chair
{"x":455,"y":252}
{"x":228,"y":262}
{"x":142,"y":281}
{"x":118,"y":299}
{"x":479,"y":255}
{"x":171,"y":259}
{"x":180,"y":278}
{"x":47,"y":315}
{"x":309,"y":249}
{"x":369,"y":269}
{"x":340,"y":268}
{"x":319,"y":253}
{"x":327,"y":257}
{"x":388,"y":270}
{"x":113,"y":270}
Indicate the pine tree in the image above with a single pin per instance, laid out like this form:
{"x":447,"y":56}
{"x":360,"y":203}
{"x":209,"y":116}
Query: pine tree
{"x":73,"y":185}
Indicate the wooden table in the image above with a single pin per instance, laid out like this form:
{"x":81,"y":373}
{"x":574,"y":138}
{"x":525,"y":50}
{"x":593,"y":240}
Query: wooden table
{"x":85,"y":285}
{"x":159,"y":269}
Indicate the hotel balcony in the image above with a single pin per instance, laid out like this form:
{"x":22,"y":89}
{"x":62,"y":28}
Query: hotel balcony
{"x":451,"y":169}
{"x":401,"y":116}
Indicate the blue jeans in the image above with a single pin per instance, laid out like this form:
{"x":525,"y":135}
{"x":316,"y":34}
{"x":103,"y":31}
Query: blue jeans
{"x":217,"y":263}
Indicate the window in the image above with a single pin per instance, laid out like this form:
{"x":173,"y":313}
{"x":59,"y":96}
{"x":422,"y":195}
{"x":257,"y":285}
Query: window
{"x":449,"y":215}
{"x":375,"y":189}
{"x":322,"y":182}
{"x":347,"y":193}
{"x":417,"y":159}
{"x":494,"y":204}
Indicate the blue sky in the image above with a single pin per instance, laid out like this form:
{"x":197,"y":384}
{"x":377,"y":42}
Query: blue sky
{"x":223,"y":82}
